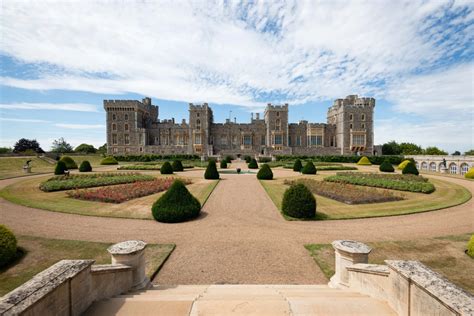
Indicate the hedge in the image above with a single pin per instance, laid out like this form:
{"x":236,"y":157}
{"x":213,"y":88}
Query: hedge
{"x":253,"y":164}
{"x":166,"y":168}
{"x":299,"y":202}
{"x":376,"y":160}
{"x":309,"y":168}
{"x":224,"y":164}
{"x":85,"y":166}
{"x":60,"y":168}
{"x":211,"y":171}
{"x":8,"y":244}
{"x":470,"y":247}
{"x":386,"y":166}
{"x":403,"y":164}
{"x":70,"y":163}
{"x":410,"y":168}
{"x":364,"y":161}
{"x":177,"y":165}
{"x":470,"y":173}
{"x":265,"y":173}
{"x":110,"y":160}
{"x":153,"y":157}
{"x":297,"y":166}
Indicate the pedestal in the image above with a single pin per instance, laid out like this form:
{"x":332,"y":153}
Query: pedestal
{"x":348,"y":252}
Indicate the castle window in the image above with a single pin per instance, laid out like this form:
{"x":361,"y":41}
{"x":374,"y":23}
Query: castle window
{"x":298,"y":140}
{"x":362,"y":117}
{"x":114,"y":139}
{"x":278,"y":140}
{"x":223,"y":140}
{"x":350,"y":126}
{"x":114,"y":117}
{"x":247,"y":140}
{"x":453,"y":168}
{"x":126,"y":117}
{"x":278,"y":124}
{"x":351,"y":117}
{"x":197,"y":114}
{"x":262,"y":140}
{"x":289,"y":141}
{"x":127,"y":139}
{"x":114,"y":127}
{"x":126,"y":127}
{"x":198,"y":124}
{"x":115,"y":150}
{"x":278,"y":113}
{"x":316,"y":140}
{"x":127,"y":150}
{"x":197,"y":139}
{"x":362,"y":125}
{"x":358,"y":140}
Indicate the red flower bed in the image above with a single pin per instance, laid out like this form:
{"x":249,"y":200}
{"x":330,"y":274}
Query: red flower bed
{"x":124,"y":192}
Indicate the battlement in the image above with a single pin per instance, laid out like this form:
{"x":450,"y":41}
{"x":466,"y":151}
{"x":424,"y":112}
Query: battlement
{"x":353,"y":101}
{"x":203,"y":106}
{"x":277,"y":107}
{"x":130,"y":105}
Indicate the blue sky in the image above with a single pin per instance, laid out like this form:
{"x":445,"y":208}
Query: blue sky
{"x":59,"y":60}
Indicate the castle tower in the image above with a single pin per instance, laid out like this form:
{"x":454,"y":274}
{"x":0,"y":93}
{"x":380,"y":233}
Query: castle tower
{"x":200,"y":120}
{"x":276,"y":122}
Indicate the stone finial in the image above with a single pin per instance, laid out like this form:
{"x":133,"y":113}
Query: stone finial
{"x":348,"y":253}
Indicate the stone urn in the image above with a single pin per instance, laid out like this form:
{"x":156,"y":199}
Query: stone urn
{"x":238,"y":170}
{"x":26,"y":169}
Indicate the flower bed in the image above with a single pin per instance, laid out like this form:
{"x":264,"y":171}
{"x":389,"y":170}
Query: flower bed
{"x":60,"y":183}
{"x":124,"y":192}
{"x":346,"y":193}
{"x":324,"y":166}
{"x":147,"y":166}
{"x":398,"y":177}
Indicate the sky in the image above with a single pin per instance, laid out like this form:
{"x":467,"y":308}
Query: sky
{"x":60,"y":60}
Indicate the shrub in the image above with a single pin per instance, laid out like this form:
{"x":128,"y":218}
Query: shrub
{"x":166,"y":168}
{"x":470,"y":173}
{"x":7,"y":246}
{"x":110,"y":160}
{"x":70,"y":163}
{"x":264,"y":159}
{"x":224,"y":164}
{"x":85,"y":166}
{"x":470,"y":247}
{"x":253,"y":164}
{"x":403,"y":164}
{"x":247,"y":159}
{"x":176,"y":205}
{"x":410,"y":168}
{"x":309,"y":168}
{"x":265,"y":173}
{"x":211,"y":171}
{"x":60,"y":168}
{"x":386,"y":166}
{"x":177,"y":165}
{"x":364,"y":161}
{"x":297,"y":166}
{"x":229,"y":159}
{"x":299,"y":202}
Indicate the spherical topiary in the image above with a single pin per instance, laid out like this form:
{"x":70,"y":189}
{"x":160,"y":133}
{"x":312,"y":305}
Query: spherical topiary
{"x":211,"y":171}
{"x":470,"y":247}
{"x":410,"y":168}
{"x":299,"y":202}
{"x":386,"y":166}
{"x":309,"y":168}
{"x":253,"y":164}
{"x":7,"y":246}
{"x":109,"y":160}
{"x":176,"y":205}
{"x":70,"y":163}
{"x":364,"y":161}
{"x":60,"y":168}
{"x":470,"y":173}
{"x":247,"y":159}
{"x":265,"y":173}
{"x":177,"y":165}
{"x":403,"y":164}
{"x":85,"y":166}
{"x":297,"y":166}
{"x":224,"y":164}
{"x":166,"y":168}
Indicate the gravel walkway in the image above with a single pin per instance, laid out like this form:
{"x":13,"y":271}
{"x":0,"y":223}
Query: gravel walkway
{"x":240,"y":237}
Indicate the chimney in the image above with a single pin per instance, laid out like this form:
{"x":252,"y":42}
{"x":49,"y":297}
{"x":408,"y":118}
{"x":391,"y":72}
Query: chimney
{"x":257,"y":116}
{"x":251,"y":116}
{"x":235,"y":119}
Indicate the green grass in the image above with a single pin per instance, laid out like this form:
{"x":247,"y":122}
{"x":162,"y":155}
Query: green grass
{"x":13,"y":166}
{"x":444,"y":255}
{"x":41,"y":253}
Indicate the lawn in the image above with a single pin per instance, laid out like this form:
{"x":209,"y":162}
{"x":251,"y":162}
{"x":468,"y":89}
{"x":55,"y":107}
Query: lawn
{"x":41,"y":253}
{"x":13,"y":166}
{"x":442,"y":254}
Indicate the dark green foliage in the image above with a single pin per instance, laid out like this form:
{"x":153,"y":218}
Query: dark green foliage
{"x":166,"y":168}
{"x":5,"y":150}
{"x":86,"y":149}
{"x":391,"y":148}
{"x":61,"y":146}
{"x":265,"y":173}
{"x":24,"y":144}
{"x":299,"y":202}
{"x":224,"y":164}
{"x":386,"y":166}
{"x":85,"y":166}
{"x":247,"y":159}
{"x":264,"y":159}
{"x":229,"y":159}
{"x":309,"y":168}
{"x":376,"y":160}
{"x":154,"y":157}
{"x":211,"y":171}
{"x":253,"y":164}
{"x":109,"y":160}
{"x":297,"y":166}
{"x":7,"y":246}
{"x":60,"y":168}
{"x":434,"y":151}
{"x":70,"y":163}
{"x":177,"y":165}
{"x":410,"y":168}
{"x":176,"y":205}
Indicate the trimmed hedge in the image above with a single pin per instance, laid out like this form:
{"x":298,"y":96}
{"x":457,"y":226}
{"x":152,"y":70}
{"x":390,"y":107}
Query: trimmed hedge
{"x":265,"y":173}
{"x":85,"y":166}
{"x":177,"y":165}
{"x":364,"y":161}
{"x":264,"y":159}
{"x":403,"y":164}
{"x":224,"y":164}
{"x":229,"y":158}
{"x":8,"y":246}
{"x":247,"y":159}
{"x":60,"y":168}
{"x":297,"y":166}
{"x":153,"y":157}
{"x":109,"y":160}
{"x":386,"y":166}
{"x":176,"y":205}
{"x":470,"y":247}
{"x":376,"y":160}
{"x":70,"y":163}
{"x":253,"y":164}
{"x":299,"y":202}
{"x":166,"y":168}
{"x":211,"y":171}
{"x":309,"y":168}
{"x":470,"y":173}
{"x":410,"y":168}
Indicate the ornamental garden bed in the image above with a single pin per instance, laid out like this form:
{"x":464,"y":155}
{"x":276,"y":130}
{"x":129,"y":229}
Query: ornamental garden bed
{"x":323,"y":166}
{"x":149,"y":166}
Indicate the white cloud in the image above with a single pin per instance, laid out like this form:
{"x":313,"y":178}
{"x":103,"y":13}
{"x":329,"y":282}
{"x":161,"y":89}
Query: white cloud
{"x":8,"y":119}
{"x":80,"y":107}
{"x":80,"y":126}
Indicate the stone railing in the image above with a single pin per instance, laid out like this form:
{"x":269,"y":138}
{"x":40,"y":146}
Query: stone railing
{"x":409,"y":287}
{"x":69,"y":287}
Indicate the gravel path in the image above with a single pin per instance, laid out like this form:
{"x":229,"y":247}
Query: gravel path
{"x":240,"y":237}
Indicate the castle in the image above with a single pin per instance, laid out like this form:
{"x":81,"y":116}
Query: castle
{"x":133,"y":127}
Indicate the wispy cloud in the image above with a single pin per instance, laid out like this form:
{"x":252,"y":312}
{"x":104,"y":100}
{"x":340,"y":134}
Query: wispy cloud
{"x":8,"y":119}
{"x":80,"y":126}
{"x":80,"y":107}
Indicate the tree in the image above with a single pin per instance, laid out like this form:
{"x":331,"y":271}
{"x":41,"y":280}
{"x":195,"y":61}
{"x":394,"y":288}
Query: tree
{"x":456,"y":153}
{"x":24,"y":144}
{"x":469,"y":152}
{"x":61,"y":146}
{"x":391,"y":148}
{"x":102,"y":149}
{"x":410,"y":149}
{"x":86,"y":149}
{"x":433,"y":150}
{"x":5,"y":150}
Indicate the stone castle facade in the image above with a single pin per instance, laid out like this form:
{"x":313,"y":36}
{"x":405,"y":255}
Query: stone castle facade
{"x":133,"y":127}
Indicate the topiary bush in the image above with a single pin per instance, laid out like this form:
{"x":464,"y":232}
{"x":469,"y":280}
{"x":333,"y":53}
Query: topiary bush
{"x":386,"y":166}
{"x":109,"y":160}
{"x":403,"y":164}
{"x":470,"y":173}
{"x":247,"y":159}
{"x":297,"y":166}
{"x":299,"y":202}
{"x":177,"y":165}
{"x":470,"y":247}
{"x":364,"y":161}
{"x":410,"y":168}
{"x":253,"y":164}
{"x":176,"y":205}
{"x":211,"y":171}
{"x":7,"y":246}
{"x":229,"y":158}
{"x":60,"y":168}
{"x":166,"y":168}
{"x":85,"y":166}
{"x":70,"y":163}
{"x":224,"y":164}
{"x":265,"y":173}
{"x":309,"y":168}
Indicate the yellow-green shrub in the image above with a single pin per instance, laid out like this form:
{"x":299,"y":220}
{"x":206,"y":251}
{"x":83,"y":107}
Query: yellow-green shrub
{"x":364,"y":161}
{"x":470,"y":246}
{"x":403,"y":164}
{"x":470,"y":174}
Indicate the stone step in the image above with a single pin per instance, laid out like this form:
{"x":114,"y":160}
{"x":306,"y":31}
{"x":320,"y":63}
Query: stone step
{"x":121,"y":307}
{"x":240,"y":307}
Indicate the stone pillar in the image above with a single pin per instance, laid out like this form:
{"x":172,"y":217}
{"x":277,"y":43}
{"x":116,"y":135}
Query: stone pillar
{"x":131,"y":253}
{"x":348,"y":252}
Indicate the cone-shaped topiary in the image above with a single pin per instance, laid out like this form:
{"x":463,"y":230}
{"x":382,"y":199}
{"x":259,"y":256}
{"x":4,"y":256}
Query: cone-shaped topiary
{"x":70,"y":163}
{"x":386,"y":166}
{"x":299,"y":202}
{"x":403,"y":164}
{"x":176,"y":205}
{"x":247,"y":159}
{"x":364,"y":161}
{"x":470,"y":247}
{"x":7,"y":246}
{"x":470,"y":173}
{"x":410,"y":168}
{"x":229,"y":158}
{"x":297,"y":166}
{"x":109,"y":160}
{"x":265,"y":173}
{"x":85,"y":166}
{"x":224,"y":164}
{"x":166,"y":168}
{"x":177,"y":165}
{"x":309,"y":168}
{"x":253,"y":164}
{"x":60,"y":168}
{"x":211,"y":171}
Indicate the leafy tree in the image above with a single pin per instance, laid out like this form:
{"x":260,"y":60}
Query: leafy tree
{"x":434,"y":151}
{"x":456,"y":153}
{"x":102,"y":149}
{"x":86,"y":149}
{"x":5,"y":150}
{"x":391,"y":148}
{"x":61,"y":146}
{"x":410,"y":149}
{"x":469,"y":152}
{"x":27,"y":144}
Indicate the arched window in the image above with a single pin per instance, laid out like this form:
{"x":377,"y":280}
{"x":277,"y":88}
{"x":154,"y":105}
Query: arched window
{"x":424,"y":165}
{"x":418,"y":165}
{"x":433,"y":166}
{"x":198,"y":124}
{"x":464,"y":168}
{"x":126,"y":127}
{"x":126,"y":117}
{"x":362,"y":125}
{"x":114,"y":127}
{"x":350,"y":126}
{"x":114,"y":117}
{"x":362,"y":117}
{"x":453,"y":168}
